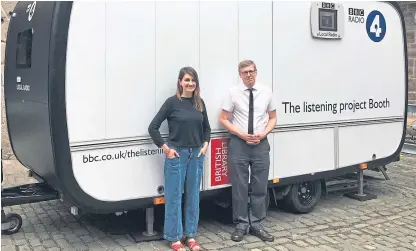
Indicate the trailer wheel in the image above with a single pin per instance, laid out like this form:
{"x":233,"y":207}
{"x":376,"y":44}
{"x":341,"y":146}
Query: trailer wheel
{"x":15,"y":222}
{"x":303,"y":197}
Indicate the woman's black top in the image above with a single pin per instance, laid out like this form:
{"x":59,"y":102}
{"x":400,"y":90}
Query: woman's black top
{"x":188,"y":127}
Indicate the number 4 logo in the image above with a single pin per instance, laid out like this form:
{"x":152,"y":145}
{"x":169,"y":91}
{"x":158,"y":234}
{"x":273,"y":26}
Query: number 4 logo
{"x":376,"y":26}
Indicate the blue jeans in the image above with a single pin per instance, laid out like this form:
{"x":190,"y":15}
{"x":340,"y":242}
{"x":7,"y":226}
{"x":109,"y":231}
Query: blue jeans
{"x":179,"y":171}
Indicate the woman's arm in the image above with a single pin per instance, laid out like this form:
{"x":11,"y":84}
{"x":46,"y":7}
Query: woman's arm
{"x":154,"y":126}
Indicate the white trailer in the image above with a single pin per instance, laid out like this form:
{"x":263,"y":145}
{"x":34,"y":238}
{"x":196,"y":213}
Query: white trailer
{"x":84,"y":79}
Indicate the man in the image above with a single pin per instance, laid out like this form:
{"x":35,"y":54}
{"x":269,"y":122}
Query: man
{"x":253,"y":118}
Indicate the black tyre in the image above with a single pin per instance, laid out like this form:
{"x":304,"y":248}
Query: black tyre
{"x":15,"y":221}
{"x":303,"y":197}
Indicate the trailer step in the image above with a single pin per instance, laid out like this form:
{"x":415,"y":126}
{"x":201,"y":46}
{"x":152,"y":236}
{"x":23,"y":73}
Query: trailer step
{"x":29,"y":193}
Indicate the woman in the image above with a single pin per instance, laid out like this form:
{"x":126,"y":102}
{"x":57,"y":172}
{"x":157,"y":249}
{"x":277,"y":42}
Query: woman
{"x":189,"y":135}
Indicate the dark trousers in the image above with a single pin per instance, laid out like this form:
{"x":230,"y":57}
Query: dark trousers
{"x":241,"y":157}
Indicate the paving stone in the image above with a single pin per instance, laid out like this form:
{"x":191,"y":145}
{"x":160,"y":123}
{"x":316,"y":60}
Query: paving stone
{"x":8,"y":248}
{"x":82,"y":246}
{"x":63,"y":244}
{"x":327,"y":248}
{"x":319,"y":227}
{"x":281,"y":234}
{"x":307,"y":222}
{"x":49,"y":244}
{"x":292,"y":247}
{"x":54,"y":249}
{"x":21,"y":242}
{"x":145,"y":246}
{"x":407,"y":245}
{"x":40,"y":248}
{"x":301,"y":243}
{"x":281,"y":240}
{"x":299,"y":230}
{"x":213,"y":237}
{"x":24,"y":248}
{"x":319,"y":240}
{"x":241,"y":249}
{"x":298,"y":237}
{"x":34,"y":242}
{"x":213,"y":246}
{"x":254,"y":245}
{"x":311,"y":242}
{"x":385,"y":243}
{"x":337,"y":223}
{"x":6,"y":241}
{"x":329,"y":239}
{"x":281,"y":248}
{"x":128,"y":248}
{"x":361,"y":225}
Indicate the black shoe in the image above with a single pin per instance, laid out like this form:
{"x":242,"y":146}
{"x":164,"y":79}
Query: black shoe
{"x":238,"y":234}
{"x":262,"y":234}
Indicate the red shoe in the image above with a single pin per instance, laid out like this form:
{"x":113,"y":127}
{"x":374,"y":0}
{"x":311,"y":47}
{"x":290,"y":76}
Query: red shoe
{"x":193,"y":245}
{"x":177,"y":246}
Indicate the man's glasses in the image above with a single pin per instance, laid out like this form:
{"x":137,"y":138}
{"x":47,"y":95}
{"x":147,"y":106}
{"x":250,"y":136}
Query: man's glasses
{"x":251,"y":72}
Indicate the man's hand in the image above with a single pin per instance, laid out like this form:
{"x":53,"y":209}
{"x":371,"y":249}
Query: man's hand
{"x":251,"y":139}
{"x":244,"y":136}
{"x":260,"y":136}
{"x":256,"y":138}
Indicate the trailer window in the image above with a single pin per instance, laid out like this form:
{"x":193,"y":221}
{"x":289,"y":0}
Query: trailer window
{"x":24,"y":49}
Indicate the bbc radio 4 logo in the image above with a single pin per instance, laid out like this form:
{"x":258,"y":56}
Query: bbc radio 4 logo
{"x":375,"y":23}
{"x":376,"y":26}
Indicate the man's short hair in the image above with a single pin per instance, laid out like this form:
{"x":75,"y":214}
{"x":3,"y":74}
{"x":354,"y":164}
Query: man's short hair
{"x":246,"y":63}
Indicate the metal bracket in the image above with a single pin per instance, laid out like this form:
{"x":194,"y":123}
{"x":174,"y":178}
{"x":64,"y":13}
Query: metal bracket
{"x":361,"y":196}
{"x":150,"y":234}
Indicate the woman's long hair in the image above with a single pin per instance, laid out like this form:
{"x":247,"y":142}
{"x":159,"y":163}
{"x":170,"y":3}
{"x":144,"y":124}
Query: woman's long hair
{"x":197,"y":93}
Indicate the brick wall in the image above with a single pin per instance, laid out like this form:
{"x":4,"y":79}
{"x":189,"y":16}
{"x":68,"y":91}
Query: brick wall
{"x":6,"y":8}
{"x":408,"y":8}
{"x":409,"y":12}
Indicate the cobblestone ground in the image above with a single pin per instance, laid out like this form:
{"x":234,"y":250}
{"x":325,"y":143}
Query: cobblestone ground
{"x":337,"y":223}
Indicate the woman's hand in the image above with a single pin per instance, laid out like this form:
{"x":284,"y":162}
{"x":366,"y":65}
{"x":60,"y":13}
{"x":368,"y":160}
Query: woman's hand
{"x":203,"y":150}
{"x":170,"y":153}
